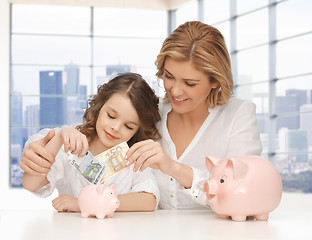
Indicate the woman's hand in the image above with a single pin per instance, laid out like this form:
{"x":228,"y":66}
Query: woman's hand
{"x":36,"y":160}
{"x":74,"y":141}
{"x":149,"y":153}
{"x":66,"y":203}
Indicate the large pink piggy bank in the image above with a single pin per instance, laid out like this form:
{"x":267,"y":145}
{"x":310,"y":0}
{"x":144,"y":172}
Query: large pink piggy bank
{"x":244,"y":186}
{"x":98,"y":200}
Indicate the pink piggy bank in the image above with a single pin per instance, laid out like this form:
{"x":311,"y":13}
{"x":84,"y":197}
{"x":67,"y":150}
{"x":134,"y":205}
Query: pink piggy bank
{"x":98,"y":200}
{"x":244,"y":186}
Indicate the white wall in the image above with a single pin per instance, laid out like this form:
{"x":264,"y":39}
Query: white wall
{"x":10,"y":198}
{"x":4,"y":97}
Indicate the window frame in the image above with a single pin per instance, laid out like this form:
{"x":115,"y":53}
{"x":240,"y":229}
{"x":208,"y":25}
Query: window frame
{"x":12,"y":196}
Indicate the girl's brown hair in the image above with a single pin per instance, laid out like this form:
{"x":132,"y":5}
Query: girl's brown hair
{"x":141,"y":96}
{"x":205,"y":47}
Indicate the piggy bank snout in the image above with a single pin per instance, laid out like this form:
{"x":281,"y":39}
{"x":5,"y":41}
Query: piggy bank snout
{"x":117,"y":203}
{"x":206,"y":187}
{"x":210,"y":187}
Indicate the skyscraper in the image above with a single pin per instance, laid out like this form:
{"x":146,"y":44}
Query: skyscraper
{"x":51,"y":100}
{"x":306,"y":120}
{"x":295,"y":143}
{"x":31,"y":116}
{"x":76,"y":95}
{"x":72,"y":83}
{"x":16,"y":118}
{"x":17,"y":138}
{"x":300,"y":95}
{"x":113,"y":69}
{"x":287,"y":104}
{"x":290,"y":103}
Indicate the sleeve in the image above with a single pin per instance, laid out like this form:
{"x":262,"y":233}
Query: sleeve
{"x":145,"y":182}
{"x":196,"y":191}
{"x":41,"y":134}
{"x":244,"y":137}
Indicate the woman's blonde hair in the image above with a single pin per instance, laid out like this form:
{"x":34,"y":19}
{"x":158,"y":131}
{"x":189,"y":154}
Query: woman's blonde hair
{"x":205,"y":47}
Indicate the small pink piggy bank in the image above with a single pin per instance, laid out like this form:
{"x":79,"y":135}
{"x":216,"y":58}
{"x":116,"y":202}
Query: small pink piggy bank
{"x":98,"y":200}
{"x":243,"y":186}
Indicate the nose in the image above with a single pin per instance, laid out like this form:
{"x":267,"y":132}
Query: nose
{"x":116,"y":126}
{"x":176,"y":89}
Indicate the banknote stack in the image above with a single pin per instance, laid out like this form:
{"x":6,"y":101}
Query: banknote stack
{"x":96,"y":169}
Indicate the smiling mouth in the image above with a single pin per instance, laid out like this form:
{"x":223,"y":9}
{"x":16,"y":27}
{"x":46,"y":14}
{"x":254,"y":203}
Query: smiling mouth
{"x":109,"y":135}
{"x":179,"y":100}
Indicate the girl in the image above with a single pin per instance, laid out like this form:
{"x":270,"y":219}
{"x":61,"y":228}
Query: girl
{"x":124,"y":109}
{"x":199,"y":116}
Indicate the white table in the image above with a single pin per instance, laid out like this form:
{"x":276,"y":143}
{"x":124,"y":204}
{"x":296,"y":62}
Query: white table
{"x":291,"y":220}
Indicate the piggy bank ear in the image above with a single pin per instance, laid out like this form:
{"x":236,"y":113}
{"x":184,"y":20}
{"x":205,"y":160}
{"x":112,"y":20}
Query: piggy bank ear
{"x":113,"y":186}
{"x":100,"y":189}
{"x":211,"y":162}
{"x":239,"y":167}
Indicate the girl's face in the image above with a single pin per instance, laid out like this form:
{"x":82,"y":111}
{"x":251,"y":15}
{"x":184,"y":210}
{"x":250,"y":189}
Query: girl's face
{"x":117,"y":122}
{"x":186,"y":87}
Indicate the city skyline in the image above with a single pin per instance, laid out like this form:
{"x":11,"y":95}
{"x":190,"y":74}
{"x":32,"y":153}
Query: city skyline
{"x":62,"y":100}
{"x":64,"y":90}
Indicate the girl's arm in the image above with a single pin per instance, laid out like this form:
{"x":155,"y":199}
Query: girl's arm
{"x":137,"y":202}
{"x":129,"y":202}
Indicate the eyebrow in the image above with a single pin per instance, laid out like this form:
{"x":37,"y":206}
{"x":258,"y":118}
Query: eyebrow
{"x":185,"y":79}
{"x":112,"y":109}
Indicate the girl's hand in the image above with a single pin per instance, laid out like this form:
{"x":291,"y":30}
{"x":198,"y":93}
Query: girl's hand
{"x":74,"y":141}
{"x":36,"y":160}
{"x":149,"y":153}
{"x":66,"y":203}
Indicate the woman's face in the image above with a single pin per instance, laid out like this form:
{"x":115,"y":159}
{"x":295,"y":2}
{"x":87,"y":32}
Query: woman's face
{"x":117,"y":122}
{"x":186,"y":87}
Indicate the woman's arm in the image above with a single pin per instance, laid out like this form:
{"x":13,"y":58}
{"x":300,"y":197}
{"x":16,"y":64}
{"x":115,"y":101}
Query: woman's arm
{"x":180,"y":172}
{"x":149,"y":153}
{"x":36,"y":162}
{"x":32,"y":182}
{"x":72,"y":139}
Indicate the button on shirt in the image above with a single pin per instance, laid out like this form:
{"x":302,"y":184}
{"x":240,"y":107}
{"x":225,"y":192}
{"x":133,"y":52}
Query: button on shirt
{"x":229,"y":130}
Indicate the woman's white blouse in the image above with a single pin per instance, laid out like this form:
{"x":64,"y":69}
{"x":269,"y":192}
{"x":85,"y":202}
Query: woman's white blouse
{"x":67,"y":180}
{"x":229,"y":130}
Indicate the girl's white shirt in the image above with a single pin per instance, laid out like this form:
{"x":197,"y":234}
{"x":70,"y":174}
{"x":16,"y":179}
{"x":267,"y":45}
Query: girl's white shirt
{"x":67,"y":180}
{"x":228,"y":131}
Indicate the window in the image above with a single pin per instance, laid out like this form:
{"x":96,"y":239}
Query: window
{"x":187,"y":13}
{"x":270,"y":48}
{"x":273,"y":71}
{"x":59,"y":55}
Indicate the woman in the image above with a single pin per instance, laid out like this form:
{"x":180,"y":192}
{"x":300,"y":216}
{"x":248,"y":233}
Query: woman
{"x":199,"y":116}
